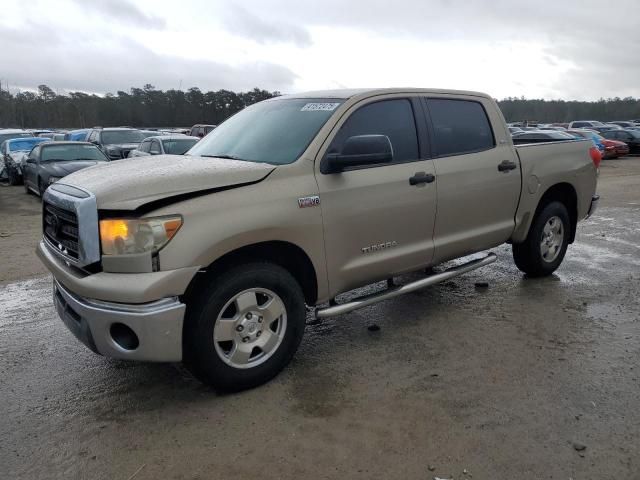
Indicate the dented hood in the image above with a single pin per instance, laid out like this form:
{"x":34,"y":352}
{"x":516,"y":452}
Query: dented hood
{"x":131,"y":183}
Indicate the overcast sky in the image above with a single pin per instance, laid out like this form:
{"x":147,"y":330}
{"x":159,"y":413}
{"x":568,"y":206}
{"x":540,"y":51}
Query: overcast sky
{"x":571,"y":49}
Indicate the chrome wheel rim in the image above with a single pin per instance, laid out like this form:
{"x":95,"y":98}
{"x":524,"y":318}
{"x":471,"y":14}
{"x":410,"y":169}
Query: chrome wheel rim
{"x":250,"y":328}
{"x":552,"y":238}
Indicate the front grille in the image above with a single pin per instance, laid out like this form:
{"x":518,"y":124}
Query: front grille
{"x":119,"y":154}
{"x":60,"y":227}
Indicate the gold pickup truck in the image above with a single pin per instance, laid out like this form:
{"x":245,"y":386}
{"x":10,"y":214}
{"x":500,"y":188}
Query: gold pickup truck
{"x":211,"y":258}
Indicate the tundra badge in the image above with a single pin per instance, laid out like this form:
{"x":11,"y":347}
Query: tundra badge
{"x":312,"y":201}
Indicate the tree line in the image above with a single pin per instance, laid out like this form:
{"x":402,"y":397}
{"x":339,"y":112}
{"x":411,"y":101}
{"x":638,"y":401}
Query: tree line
{"x":148,"y":106}
{"x":139,"y":107}
{"x":549,"y":111}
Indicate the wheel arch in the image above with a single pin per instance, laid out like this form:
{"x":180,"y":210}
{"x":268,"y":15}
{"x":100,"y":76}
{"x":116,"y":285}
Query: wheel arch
{"x":566,"y":194}
{"x":285,"y":254}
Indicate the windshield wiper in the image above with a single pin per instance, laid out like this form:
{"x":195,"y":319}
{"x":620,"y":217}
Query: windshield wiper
{"x":226,"y":157}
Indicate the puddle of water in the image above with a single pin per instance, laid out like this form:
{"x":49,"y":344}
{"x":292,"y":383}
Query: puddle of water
{"x":20,"y":302}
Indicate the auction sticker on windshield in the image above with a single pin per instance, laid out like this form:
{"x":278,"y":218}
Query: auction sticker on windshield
{"x":314,"y":107}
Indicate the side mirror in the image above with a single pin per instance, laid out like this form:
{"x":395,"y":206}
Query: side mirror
{"x":30,"y":160}
{"x":361,"y":150}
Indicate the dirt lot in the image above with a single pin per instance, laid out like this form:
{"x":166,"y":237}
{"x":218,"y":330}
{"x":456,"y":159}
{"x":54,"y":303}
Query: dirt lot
{"x":508,"y":382}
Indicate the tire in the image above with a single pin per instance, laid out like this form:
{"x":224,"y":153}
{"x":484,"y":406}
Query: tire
{"x":544,"y":248}
{"x":41,"y":189}
{"x":13,"y":175}
{"x":240,"y":306}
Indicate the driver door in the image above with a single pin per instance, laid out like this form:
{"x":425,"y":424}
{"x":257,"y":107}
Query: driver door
{"x":29,"y":171}
{"x":377,"y":222}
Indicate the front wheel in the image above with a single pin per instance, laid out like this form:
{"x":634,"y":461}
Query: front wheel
{"x":41,"y":187}
{"x":12,"y":174}
{"x":544,"y":248}
{"x":244,"y":327}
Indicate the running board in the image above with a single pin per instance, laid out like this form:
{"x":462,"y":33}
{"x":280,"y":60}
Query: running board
{"x":402,"y":289}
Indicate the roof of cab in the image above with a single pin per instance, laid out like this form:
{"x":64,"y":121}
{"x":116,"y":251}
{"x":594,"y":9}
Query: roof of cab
{"x":368,"y":92}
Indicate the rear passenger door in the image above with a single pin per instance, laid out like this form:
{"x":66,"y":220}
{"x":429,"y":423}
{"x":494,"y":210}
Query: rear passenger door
{"x":478,"y":176}
{"x":376,"y":223}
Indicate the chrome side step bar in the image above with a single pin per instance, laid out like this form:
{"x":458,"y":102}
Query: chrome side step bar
{"x":402,"y":289}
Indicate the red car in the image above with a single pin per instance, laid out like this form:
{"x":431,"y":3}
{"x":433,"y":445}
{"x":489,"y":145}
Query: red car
{"x":614,"y":148}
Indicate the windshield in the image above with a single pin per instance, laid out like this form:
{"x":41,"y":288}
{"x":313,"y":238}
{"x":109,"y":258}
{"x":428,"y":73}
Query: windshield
{"x":274,"y":131}
{"x":178,"y":146}
{"x":63,"y":153}
{"x":122,"y":136}
{"x":634,"y":133}
{"x":8,"y":136}
{"x":24,"y":145}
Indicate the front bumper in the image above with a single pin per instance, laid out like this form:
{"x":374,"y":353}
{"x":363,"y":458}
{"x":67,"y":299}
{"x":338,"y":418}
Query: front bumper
{"x":156,"y":326}
{"x":594,"y":205}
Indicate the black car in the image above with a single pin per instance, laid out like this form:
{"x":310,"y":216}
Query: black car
{"x":116,"y":143}
{"x":628,"y":136}
{"x":538,"y":136}
{"x":51,"y":161}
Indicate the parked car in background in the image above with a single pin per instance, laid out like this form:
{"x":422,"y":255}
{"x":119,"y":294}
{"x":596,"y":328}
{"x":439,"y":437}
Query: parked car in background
{"x":49,"y":162}
{"x":551,"y":127}
{"x":12,"y":151}
{"x":594,"y":136}
{"x":610,"y":148}
{"x":7,"y":133}
{"x":58,"y":137}
{"x":78,"y":135}
{"x":150,"y":133}
{"x":200,"y":130}
{"x":604,"y":128}
{"x":117,"y":142}
{"x":585,"y":124}
{"x":164,"y":145}
{"x":623,"y":124}
{"x":539,"y":136}
{"x":515,"y":130}
{"x":630,"y":137}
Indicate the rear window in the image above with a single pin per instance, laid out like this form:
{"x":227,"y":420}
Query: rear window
{"x":62,"y":153}
{"x":24,"y":145}
{"x":178,"y":146}
{"x":459,"y":126}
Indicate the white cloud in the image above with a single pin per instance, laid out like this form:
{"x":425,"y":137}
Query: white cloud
{"x":572,"y":49}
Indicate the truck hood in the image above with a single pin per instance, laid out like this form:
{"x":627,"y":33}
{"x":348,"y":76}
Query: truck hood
{"x":133,"y":183}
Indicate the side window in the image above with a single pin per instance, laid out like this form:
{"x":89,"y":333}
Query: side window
{"x":459,"y":126}
{"x":35,"y":153}
{"x":144,"y":146}
{"x":155,"y":148}
{"x":393,"y":118}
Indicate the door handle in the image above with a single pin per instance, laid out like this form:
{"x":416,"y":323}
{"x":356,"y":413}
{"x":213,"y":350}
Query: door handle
{"x":507,"y":165}
{"x":421,"y":177}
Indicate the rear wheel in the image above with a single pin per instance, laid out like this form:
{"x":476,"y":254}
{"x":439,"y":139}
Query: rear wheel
{"x":544,"y":248}
{"x":244,"y":327}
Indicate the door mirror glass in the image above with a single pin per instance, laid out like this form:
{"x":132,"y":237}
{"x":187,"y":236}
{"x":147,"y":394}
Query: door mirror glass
{"x":361,"y":150}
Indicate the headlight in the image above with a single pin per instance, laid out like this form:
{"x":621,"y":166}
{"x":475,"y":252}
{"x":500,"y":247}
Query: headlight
{"x":137,"y":235}
{"x":53,"y":179}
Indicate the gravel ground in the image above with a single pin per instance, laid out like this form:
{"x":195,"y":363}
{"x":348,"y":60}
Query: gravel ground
{"x":525,"y":379}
